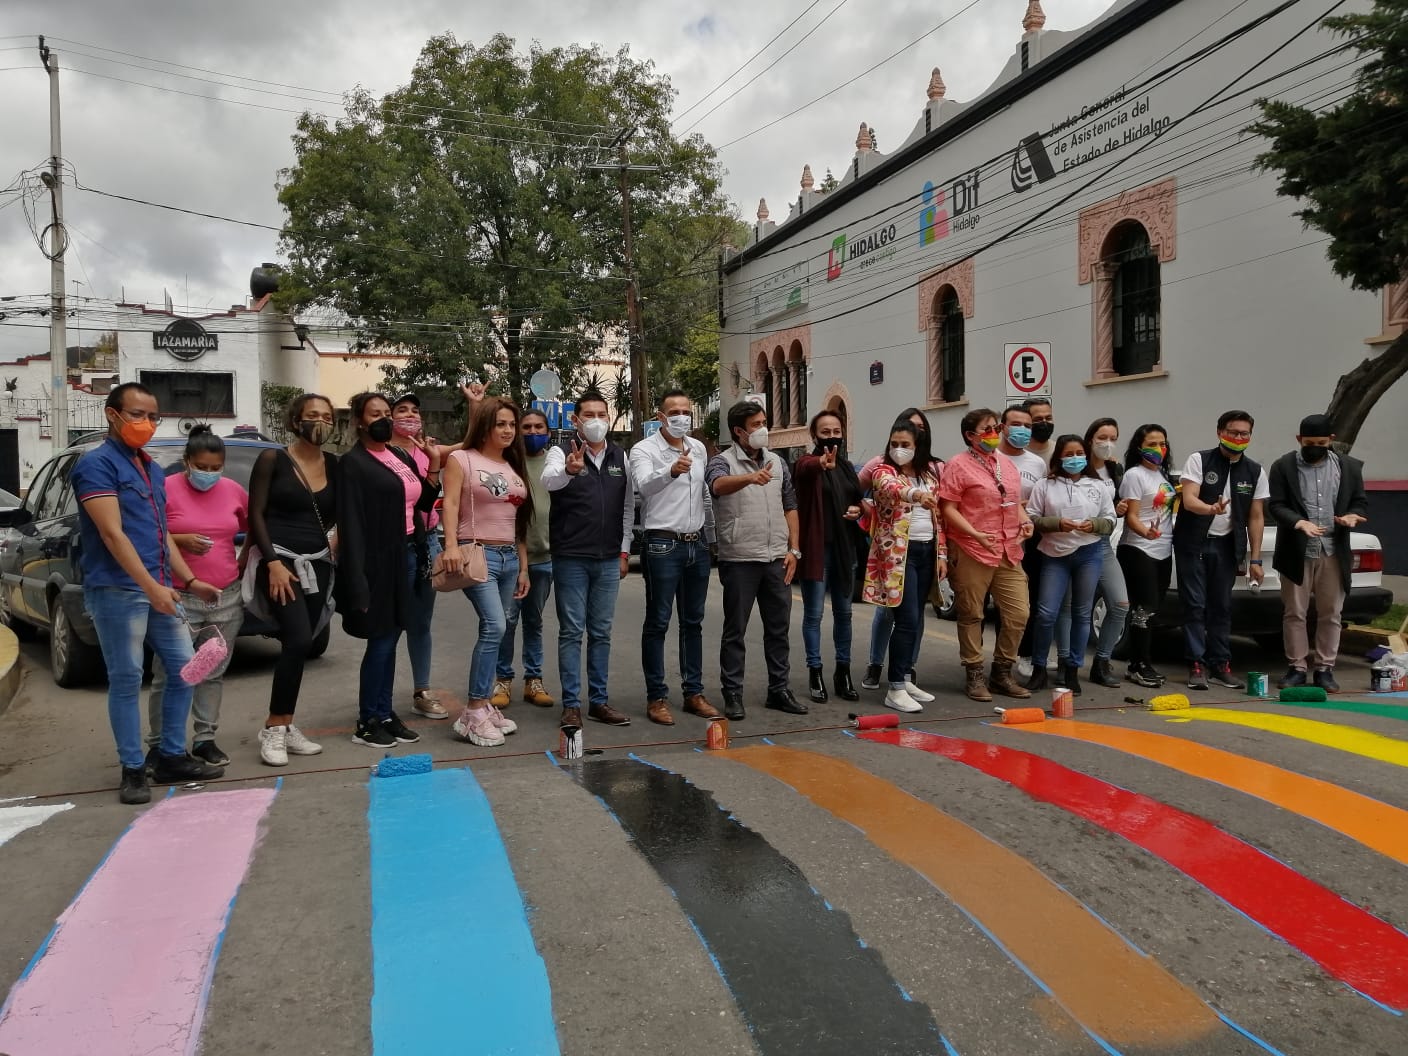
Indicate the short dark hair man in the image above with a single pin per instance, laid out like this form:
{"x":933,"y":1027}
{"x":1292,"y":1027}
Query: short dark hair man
{"x":128,"y":561}
{"x":755,"y":512}
{"x":1218,"y":532}
{"x":1317,"y":499}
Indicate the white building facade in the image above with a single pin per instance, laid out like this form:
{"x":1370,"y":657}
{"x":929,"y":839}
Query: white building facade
{"x":1090,"y":227}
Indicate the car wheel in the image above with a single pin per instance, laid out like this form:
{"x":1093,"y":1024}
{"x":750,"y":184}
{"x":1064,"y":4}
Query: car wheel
{"x":23,"y":631}
{"x":949,"y":609}
{"x":319,"y":645}
{"x":73,"y":661}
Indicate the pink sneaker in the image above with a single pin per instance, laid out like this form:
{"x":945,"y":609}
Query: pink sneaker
{"x":506,"y":726}
{"x":477,"y":726}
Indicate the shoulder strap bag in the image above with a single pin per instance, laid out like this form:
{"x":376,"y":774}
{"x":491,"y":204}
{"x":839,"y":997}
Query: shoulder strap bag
{"x":475,"y":566}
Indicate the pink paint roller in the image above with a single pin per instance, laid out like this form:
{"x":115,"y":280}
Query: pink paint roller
{"x":1020,"y":716}
{"x":875,"y":722}
{"x":208,"y":657}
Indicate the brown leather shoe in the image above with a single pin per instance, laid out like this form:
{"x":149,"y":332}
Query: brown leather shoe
{"x":696,"y":704}
{"x":607,"y":714}
{"x":658,"y":711}
{"x":1001,"y":681}
{"x":977,"y":688}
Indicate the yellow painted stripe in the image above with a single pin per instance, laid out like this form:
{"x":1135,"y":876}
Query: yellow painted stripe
{"x":1330,"y":734}
{"x":1376,"y":825}
{"x":1111,"y":989}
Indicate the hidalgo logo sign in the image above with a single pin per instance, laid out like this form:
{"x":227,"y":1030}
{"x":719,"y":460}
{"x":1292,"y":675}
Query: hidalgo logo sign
{"x":878,"y":245}
{"x":185,"y":339}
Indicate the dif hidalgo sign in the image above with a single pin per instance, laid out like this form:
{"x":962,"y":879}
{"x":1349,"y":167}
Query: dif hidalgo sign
{"x":185,"y":339}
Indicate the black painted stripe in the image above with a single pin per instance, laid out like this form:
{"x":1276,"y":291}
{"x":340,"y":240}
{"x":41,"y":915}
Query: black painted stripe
{"x":804,"y":982}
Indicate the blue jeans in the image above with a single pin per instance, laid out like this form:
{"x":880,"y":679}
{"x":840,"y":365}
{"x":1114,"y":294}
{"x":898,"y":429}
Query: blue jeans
{"x":1205,"y":579}
{"x":422,"y":612}
{"x":814,"y":593}
{"x":909,"y":613}
{"x":586,"y":602}
{"x":1079,"y":573}
{"x":1112,"y":585}
{"x":881,"y":627}
{"x":378,"y":675}
{"x":124,"y":620}
{"x":530,"y":609}
{"x":491,"y":600}
{"x":675,"y":572}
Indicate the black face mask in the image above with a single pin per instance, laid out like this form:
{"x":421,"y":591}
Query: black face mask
{"x":829,"y":443}
{"x":1313,"y":453}
{"x":380,"y":431}
{"x":1041,"y":431}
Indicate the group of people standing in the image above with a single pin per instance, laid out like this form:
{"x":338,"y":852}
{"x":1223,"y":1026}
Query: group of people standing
{"x":1020,"y":517}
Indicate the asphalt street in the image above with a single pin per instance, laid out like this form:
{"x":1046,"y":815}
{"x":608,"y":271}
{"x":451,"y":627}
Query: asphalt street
{"x":1225,"y":880}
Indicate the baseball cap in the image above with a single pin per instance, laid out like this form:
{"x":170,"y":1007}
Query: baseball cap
{"x":406,"y":397}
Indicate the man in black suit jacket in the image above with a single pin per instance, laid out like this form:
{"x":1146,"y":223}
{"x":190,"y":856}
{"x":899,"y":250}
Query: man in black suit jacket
{"x":1317,"y":498}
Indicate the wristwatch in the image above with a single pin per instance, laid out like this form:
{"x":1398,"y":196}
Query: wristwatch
{"x":796,"y":554}
{"x":1255,"y":561}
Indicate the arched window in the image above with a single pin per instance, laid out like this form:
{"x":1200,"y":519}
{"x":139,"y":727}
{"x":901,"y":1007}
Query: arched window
{"x":779,"y":411}
{"x":762,"y":380}
{"x":951,"y":366}
{"x":797,"y":369}
{"x":1135,"y":303}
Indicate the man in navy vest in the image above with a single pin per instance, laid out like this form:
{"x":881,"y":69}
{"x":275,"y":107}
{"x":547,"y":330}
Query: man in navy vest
{"x":1217,"y":534}
{"x":589,"y":535}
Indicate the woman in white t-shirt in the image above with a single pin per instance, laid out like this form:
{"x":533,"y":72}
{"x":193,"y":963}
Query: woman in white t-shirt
{"x":1075,"y":511}
{"x":1146,"y":548}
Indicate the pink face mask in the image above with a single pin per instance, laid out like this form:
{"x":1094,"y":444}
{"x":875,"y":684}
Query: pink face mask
{"x":406,"y":426}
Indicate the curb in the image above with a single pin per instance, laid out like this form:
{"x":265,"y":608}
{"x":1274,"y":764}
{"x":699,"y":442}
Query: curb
{"x":10,"y":673}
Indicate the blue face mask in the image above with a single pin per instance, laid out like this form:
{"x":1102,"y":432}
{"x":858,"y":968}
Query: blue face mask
{"x":535,"y":442}
{"x":1019,"y":436}
{"x":1074,"y":464}
{"x":204,"y":479}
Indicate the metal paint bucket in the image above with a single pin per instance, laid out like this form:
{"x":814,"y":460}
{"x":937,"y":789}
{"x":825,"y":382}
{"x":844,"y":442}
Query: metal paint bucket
{"x":716,"y":737}
{"x":1381,"y":680}
{"x":1063,"y":704}
{"x":569,"y":743}
{"x":1258,"y":684}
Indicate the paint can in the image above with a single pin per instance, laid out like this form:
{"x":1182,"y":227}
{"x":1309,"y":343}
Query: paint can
{"x":1258,"y":684}
{"x":716,"y":737}
{"x":1381,"y":680}
{"x":1063,"y":704}
{"x":569,"y":743}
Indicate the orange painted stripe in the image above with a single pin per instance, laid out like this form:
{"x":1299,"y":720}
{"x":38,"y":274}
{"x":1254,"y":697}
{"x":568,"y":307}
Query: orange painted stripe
{"x":1109,"y":988}
{"x":1375,"y":824}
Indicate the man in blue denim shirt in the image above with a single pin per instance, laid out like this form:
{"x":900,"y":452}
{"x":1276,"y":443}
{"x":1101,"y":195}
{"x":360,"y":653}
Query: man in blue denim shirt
{"x":128,"y":559}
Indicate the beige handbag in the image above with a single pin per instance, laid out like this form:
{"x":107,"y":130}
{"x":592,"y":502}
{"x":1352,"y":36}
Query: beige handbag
{"x":475,"y":566}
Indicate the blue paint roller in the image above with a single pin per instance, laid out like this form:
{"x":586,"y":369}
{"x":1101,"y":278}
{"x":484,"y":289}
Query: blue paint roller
{"x":400,"y":766}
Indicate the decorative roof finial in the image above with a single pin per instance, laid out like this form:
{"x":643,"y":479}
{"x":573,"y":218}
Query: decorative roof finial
{"x":1035,"y":17}
{"x":863,"y":141}
{"x":807,"y":182}
{"x":762,"y":210}
{"x":937,"y":88}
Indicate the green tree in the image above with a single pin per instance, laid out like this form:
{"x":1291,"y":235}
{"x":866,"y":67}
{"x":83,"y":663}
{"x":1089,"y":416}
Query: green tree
{"x":457,"y":217}
{"x":1349,"y":166}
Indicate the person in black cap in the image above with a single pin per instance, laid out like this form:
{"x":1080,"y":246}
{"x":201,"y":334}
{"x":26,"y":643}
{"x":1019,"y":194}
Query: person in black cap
{"x":1317,"y":499}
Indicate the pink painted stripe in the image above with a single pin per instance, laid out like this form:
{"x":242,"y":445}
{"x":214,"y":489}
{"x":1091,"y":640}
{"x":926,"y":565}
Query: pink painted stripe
{"x":1351,"y":944}
{"x":129,"y":963}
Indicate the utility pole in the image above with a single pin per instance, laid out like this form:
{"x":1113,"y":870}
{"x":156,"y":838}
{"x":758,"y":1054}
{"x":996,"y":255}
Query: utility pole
{"x":58,"y":243}
{"x":635,"y":338}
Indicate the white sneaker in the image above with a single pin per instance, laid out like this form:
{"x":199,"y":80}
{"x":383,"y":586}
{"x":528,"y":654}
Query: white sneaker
{"x":505,"y":725}
{"x":478,"y":727}
{"x":298,"y":744}
{"x":899,"y":699}
{"x":1024,"y":667}
{"x":273,"y":745}
{"x":917,"y":693}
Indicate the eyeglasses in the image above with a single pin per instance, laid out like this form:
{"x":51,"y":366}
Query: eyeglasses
{"x":1240,"y":434}
{"x":138,"y":416}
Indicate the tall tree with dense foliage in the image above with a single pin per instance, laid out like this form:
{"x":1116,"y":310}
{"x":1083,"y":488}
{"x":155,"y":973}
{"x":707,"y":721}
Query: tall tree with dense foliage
{"x":458,"y":218}
{"x":1349,"y":166}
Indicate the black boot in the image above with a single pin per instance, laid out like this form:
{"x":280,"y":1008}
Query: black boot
{"x":134,"y":788}
{"x":1038,"y":679}
{"x":1101,"y":674}
{"x":816,"y":685}
{"x":841,"y":682}
{"x":872,"y":677}
{"x":733,"y":706}
{"x":1072,"y":679}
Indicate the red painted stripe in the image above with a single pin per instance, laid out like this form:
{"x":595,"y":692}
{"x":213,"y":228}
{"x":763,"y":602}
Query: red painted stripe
{"x":1352,"y":945}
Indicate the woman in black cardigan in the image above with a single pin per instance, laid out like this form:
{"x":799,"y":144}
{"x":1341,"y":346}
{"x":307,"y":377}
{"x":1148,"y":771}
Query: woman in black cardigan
{"x":382,"y":501}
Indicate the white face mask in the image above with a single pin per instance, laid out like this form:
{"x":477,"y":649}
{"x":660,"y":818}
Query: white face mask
{"x":901,"y":456}
{"x":1105,"y":449}
{"x":677,"y":425}
{"x":758,"y":438}
{"x":593,"y":430}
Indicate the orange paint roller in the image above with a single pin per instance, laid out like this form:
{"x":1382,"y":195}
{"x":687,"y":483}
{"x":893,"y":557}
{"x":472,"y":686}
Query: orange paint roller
{"x":1020,"y":716}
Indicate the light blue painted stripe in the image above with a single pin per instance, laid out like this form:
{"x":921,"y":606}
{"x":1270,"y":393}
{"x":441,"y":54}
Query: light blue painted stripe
{"x":445,"y":906}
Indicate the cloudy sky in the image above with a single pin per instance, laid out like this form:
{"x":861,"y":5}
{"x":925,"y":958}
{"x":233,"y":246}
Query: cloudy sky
{"x":131,"y":129}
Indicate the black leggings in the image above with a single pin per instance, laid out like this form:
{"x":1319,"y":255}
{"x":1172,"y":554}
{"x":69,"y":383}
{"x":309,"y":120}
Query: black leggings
{"x":1147,"y":580}
{"x":296,"y":621}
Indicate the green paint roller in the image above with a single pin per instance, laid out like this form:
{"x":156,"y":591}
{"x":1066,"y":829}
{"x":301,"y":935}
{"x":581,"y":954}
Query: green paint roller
{"x":1303,"y":694}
